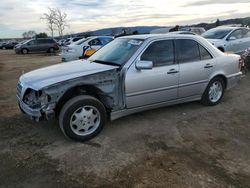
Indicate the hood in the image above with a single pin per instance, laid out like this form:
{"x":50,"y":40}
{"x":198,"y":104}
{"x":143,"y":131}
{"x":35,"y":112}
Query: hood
{"x":47,"y":76}
{"x":216,"y":42}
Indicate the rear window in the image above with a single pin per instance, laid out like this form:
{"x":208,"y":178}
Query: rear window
{"x":191,"y":51}
{"x":45,"y":41}
{"x":188,"y":50}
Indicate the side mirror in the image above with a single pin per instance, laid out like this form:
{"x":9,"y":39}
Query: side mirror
{"x":232,"y":38}
{"x":144,"y":65}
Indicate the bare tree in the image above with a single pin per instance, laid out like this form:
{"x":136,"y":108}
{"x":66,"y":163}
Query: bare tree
{"x":56,"y":19}
{"x":50,"y":20}
{"x":60,"y":20}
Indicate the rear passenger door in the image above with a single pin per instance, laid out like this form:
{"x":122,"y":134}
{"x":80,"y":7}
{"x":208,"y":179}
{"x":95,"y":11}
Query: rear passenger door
{"x":196,"y":66}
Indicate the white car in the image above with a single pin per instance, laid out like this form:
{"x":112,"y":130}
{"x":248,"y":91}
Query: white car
{"x":75,"y":50}
{"x":229,"y":39}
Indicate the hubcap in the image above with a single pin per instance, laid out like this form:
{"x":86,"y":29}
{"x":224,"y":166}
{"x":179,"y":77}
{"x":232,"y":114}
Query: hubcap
{"x":85,"y":120}
{"x":215,"y":91}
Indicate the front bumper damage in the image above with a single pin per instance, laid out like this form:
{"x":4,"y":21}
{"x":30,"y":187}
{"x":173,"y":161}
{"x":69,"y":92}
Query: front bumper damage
{"x":38,"y":113}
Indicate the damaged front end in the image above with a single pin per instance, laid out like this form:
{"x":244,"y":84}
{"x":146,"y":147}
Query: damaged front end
{"x":36,"y":104}
{"x":106,"y":86}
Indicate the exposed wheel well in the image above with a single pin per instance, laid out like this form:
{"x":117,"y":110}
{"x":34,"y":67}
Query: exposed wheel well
{"x":79,"y":90}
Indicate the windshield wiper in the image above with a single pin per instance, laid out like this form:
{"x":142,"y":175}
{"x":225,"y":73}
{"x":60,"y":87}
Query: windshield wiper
{"x":105,"y":62}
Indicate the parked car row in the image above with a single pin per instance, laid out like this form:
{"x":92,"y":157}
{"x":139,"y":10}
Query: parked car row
{"x":225,"y":38}
{"x":8,"y":45}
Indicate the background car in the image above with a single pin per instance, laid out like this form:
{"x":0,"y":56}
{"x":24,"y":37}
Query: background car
{"x":229,"y":39}
{"x":71,"y":40}
{"x":37,"y":45}
{"x":76,"y":50}
{"x":183,"y":32}
{"x":196,"y":30}
{"x":8,"y":45}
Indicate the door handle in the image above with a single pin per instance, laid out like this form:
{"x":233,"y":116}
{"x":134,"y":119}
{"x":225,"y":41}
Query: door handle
{"x":172,"y":71}
{"x":207,"y":66}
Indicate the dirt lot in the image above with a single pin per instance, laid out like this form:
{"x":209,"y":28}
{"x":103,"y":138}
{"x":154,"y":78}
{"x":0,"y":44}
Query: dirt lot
{"x":187,"y":145}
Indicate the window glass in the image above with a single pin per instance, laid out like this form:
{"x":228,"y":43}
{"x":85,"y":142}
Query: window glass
{"x":246,"y":33}
{"x":105,"y":41}
{"x":160,"y":53}
{"x":118,"y":51}
{"x":204,"y":54}
{"x":95,"y":42}
{"x":216,"y":33}
{"x":76,"y":39}
{"x":188,"y":50}
{"x":237,"y":34}
{"x":32,"y":42}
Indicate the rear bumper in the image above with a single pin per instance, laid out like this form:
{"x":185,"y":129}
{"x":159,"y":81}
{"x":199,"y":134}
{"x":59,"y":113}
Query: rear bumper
{"x":233,"y":80}
{"x":68,"y":57}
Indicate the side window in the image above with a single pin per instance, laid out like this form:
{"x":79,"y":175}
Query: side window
{"x":32,"y":42}
{"x":95,"y":42}
{"x":236,"y":34}
{"x":204,"y":53}
{"x":105,"y":41}
{"x":160,"y":53}
{"x":246,"y":33}
{"x":41,"y":41}
{"x":188,"y":50}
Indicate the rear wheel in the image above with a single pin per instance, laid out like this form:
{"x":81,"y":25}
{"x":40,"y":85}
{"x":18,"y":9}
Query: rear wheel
{"x":214,"y":92}
{"x":82,"y":118}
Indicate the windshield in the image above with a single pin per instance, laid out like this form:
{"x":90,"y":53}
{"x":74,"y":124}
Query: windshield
{"x":117,"y":52}
{"x":217,"y":33}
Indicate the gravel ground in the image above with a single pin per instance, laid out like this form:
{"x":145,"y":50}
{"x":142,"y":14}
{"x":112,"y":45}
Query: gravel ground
{"x":188,"y":145}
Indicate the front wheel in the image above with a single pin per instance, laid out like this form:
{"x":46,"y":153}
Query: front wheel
{"x":82,"y":118}
{"x":51,"y":50}
{"x":214,"y":92}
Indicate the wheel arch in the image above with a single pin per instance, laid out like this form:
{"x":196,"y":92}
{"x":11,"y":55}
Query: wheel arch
{"x":81,"y":90}
{"x":220,"y":75}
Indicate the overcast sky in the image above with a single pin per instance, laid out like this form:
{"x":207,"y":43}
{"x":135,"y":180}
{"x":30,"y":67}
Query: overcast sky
{"x":18,"y":16}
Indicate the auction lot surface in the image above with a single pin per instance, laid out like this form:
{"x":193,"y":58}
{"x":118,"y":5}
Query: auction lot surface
{"x":187,"y":145}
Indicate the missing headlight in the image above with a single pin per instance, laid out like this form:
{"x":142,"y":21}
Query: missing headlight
{"x":35,"y":99}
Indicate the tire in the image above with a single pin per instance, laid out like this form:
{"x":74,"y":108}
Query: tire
{"x":82,"y":118}
{"x":24,"y":51}
{"x":4,"y":48}
{"x":214,"y":92}
{"x":51,"y":50}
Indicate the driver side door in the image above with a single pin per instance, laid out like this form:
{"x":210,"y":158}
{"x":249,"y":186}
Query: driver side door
{"x":156,"y":85}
